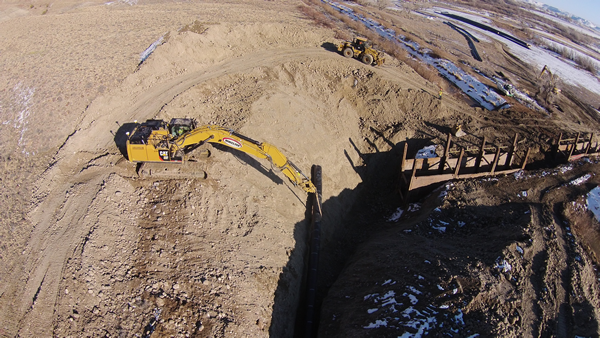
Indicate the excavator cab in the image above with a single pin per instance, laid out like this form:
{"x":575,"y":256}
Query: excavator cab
{"x":179,"y":126}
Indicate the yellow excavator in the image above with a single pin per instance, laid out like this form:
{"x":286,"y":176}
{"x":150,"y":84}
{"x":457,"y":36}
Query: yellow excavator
{"x":552,"y":78}
{"x":156,"y":141}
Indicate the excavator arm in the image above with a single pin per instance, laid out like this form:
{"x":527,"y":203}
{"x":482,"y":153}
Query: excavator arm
{"x":231,"y":139}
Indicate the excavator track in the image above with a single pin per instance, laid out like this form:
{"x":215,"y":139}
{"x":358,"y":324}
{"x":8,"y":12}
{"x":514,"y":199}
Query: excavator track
{"x":191,"y":168}
{"x":188,"y":170}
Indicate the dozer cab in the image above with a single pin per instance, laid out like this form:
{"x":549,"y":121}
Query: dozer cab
{"x":361,"y":49}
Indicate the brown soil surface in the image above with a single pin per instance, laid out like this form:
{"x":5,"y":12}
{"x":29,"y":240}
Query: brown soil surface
{"x":89,"y":249}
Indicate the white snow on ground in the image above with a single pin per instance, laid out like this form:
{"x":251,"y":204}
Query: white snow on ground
{"x":439,"y":228}
{"x":396,"y":215}
{"x":151,"y":49}
{"x":474,"y":17}
{"x":412,"y":320}
{"x":128,"y":2}
{"x":467,"y":27}
{"x":520,"y":175}
{"x":427,"y":152}
{"x":378,"y":323}
{"x":22,"y":105}
{"x":478,"y":91}
{"x":522,"y":97}
{"x":580,"y":180}
{"x":593,"y":202}
{"x":414,"y":207}
{"x":574,"y":48}
{"x":567,"y":72}
{"x":539,"y":57}
{"x":503,"y":265}
{"x":414,"y":290}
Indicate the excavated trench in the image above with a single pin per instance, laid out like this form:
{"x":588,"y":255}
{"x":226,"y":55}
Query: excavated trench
{"x":349,"y":219}
{"x":356,"y":216}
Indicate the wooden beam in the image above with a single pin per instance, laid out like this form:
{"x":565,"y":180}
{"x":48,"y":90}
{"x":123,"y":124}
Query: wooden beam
{"x":404,"y":151}
{"x":495,"y":161}
{"x":459,"y":162}
{"x":573,"y":148}
{"x":418,"y":163}
{"x":589,"y":146}
{"x":511,"y":152}
{"x":525,"y":159}
{"x":558,"y":146}
{"x":480,"y":156}
{"x":446,"y":153}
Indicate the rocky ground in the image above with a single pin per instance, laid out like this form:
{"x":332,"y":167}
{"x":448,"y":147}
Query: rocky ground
{"x":89,"y":249}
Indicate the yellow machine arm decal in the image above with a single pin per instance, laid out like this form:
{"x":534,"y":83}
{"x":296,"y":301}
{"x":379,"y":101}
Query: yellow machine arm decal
{"x":226,"y":137}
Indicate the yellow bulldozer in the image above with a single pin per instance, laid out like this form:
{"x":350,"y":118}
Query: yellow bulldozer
{"x":361,"y":49}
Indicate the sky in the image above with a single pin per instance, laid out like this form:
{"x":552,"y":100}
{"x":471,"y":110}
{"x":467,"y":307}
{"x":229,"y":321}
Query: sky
{"x":587,"y":9}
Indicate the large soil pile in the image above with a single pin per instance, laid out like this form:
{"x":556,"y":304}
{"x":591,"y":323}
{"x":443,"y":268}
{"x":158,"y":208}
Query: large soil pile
{"x":89,"y":249}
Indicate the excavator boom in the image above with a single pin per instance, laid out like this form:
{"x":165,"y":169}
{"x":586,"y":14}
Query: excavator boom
{"x":157,"y":141}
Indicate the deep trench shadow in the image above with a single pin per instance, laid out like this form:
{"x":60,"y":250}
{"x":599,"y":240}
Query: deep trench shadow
{"x":120,"y":137}
{"x":339,"y":237}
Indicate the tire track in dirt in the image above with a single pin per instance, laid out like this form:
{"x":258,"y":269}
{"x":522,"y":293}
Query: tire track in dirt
{"x":60,"y":222}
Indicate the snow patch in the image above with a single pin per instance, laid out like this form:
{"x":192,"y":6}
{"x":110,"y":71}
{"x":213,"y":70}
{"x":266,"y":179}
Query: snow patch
{"x":151,"y":49}
{"x":580,"y":180}
{"x":378,"y":323}
{"x":593,"y":202}
{"x":396,"y":215}
{"x":427,"y":152}
{"x":23,"y":104}
{"x":503,"y":266}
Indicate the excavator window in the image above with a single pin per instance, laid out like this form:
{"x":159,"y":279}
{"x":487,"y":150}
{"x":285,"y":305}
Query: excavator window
{"x":181,"y":126}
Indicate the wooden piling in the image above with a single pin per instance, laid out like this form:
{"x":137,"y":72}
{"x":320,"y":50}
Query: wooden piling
{"x":495,"y":163}
{"x":480,"y":156}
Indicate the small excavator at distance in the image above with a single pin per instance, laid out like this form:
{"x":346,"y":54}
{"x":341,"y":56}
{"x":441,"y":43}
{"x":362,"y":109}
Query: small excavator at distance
{"x":551,"y":81}
{"x":156,"y":141}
